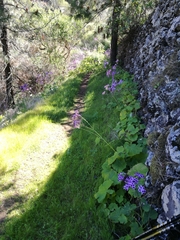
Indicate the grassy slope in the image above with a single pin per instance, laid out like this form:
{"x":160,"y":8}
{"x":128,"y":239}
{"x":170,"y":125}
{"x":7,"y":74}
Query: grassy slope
{"x":66,"y":208}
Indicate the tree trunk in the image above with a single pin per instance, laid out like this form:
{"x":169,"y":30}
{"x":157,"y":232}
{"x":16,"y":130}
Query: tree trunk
{"x":7,"y":70}
{"x":114,"y":32}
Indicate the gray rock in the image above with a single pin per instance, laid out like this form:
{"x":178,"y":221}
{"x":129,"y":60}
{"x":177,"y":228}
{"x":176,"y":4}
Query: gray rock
{"x":154,"y":59}
{"x":171,"y":199}
{"x":173,"y":144}
{"x":178,"y":169}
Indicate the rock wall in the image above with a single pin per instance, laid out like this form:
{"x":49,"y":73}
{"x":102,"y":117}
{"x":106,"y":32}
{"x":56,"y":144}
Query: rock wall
{"x":152,"y":54}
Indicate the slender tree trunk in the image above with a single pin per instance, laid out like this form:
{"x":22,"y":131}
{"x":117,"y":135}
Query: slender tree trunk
{"x":114,"y":32}
{"x":7,"y":71}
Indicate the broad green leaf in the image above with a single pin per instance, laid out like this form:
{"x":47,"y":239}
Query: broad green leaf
{"x":132,"y":129}
{"x":119,"y":199}
{"x":119,"y":165}
{"x":121,"y":133}
{"x":132,"y":149}
{"x":106,"y":166}
{"x":116,"y":216}
{"x":123,"y":219}
{"x":110,"y":174}
{"x":152,"y":214}
{"x":132,"y":138}
{"x":123,"y":114}
{"x":146,"y":207}
{"x":147,"y":216}
{"x":113,"y":206}
{"x":140,"y":167}
{"x":120,"y":149}
{"x":101,"y":194}
{"x":113,"y":158}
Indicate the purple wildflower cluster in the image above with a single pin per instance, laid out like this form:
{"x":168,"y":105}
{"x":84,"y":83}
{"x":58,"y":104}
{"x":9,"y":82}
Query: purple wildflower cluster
{"x":106,"y":63}
{"x":111,"y":73}
{"x":76,"y":119}
{"x":112,"y":87}
{"x":132,"y":182}
{"x":24,"y":87}
{"x":36,"y":82}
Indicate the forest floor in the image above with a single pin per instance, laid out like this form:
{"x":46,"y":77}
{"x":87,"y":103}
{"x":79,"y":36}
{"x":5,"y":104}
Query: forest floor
{"x":38,"y":161}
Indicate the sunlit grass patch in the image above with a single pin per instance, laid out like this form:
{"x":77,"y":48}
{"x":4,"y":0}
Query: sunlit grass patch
{"x":28,"y":150}
{"x":63,"y":206}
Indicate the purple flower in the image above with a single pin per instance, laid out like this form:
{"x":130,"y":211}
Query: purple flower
{"x":141,"y":189}
{"x":76,"y":118}
{"x":130,"y":182}
{"x":106,"y":64}
{"x":139,"y":175}
{"x":120,"y":82}
{"x":107,"y":53}
{"x":114,"y":67}
{"x":24,"y":87}
{"x":113,"y":86}
{"x":121,"y":176}
{"x":126,"y":187}
{"x":108,"y":73}
{"x":107,"y":87}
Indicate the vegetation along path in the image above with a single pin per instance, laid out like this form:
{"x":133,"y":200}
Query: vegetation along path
{"x":38,"y":162}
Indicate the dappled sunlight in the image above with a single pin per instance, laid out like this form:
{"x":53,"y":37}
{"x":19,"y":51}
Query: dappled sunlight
{"x":28,"y":161}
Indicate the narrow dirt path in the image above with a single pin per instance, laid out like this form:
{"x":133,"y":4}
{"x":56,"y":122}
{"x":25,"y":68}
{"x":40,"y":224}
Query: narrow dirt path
{"x":78,"y":104}
{"x":39,"y":163}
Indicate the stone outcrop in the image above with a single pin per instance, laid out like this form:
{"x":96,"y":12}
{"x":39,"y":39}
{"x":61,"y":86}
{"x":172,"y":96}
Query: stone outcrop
{"x":152,"y":54}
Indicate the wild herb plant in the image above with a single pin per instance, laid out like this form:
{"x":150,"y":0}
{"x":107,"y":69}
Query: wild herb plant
{"x":122,"y":194}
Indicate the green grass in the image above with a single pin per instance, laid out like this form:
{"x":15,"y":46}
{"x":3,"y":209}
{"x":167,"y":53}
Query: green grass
{"x":61,"y":205}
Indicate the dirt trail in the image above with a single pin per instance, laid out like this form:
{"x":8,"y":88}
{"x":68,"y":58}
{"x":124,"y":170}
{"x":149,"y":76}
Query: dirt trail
{"x":39,"y":160}
{"x":78,"y":104}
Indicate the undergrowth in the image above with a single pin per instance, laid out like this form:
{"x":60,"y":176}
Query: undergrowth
{"x":79,"y":200}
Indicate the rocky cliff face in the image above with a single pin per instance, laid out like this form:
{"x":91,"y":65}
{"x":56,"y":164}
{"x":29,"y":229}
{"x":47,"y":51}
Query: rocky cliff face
{"x":152,"y":54}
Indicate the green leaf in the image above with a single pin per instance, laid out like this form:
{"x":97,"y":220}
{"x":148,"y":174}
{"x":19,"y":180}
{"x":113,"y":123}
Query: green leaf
{"x":123,"y":114}
{"x":113,"y":206}
{"x":137,"y":106}
{"x":140,"y":167}
{"x":135,"y":229}
{"x":153,"y":214}
{"x":123,"y":219}
{"x":132,"y":129}
{"x":146,"y":207}
{"x":116,"y":216}
{"x":119,"y":165}
{"x":101,"y":194}
{"x":120,"y":149}
{"x":110,"y":174}
{"x":132,"y":149}
{"x":113,"y":158}
{"x":132,"y":138}
{"x":121,"y":132}
{"x":119,"y":199}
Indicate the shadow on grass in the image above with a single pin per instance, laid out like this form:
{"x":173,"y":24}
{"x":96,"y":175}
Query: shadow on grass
{"x":67,"y":209}
{"x":11,"y":203}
